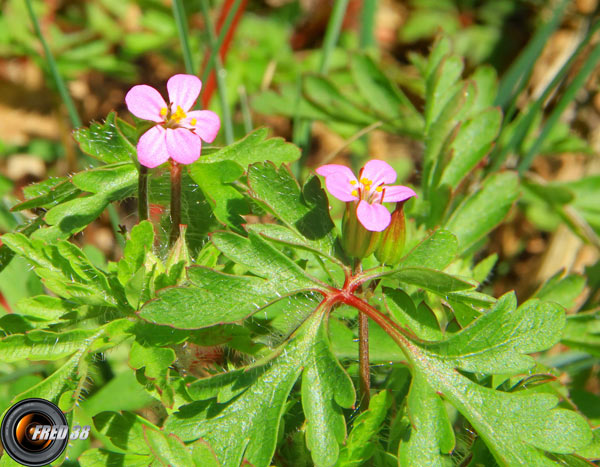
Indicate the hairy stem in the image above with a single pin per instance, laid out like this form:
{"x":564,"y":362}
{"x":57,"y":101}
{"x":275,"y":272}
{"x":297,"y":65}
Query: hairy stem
{"x":175,"y":201}
{"x":143,"y":194}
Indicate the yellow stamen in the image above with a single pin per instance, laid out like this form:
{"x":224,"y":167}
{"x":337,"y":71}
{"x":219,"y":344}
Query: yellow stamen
{"x":179,"y":114}
{"x":193,"y":122}
{"x":365,"y":181}
{"x":354,"y":193}
{"x":379,"y":189}
{"x":164,"y":111}
{"x":352,"y":182}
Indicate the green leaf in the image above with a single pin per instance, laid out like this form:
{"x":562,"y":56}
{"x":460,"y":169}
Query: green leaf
{"x":429,"y":437}
{"x":481,"y":212}
{"x":255,"y":147}
{"x":383,"y":96}
{"x":116,"y":181}
{"x":109,"y":184}
{"x":326,"y":388}
{"x":43,"y":307}
{"x":436,"y":252}
{"x":582,"y":332}
{"x":441,"y":86}
{"x":263,"y":260}
{"x":66,"y":271}
{"x":430,"y":279}
{"x":242,"y":419}
{"x":562,"y":289}
{"x":472,"y":142}
{"x":419,"y":320}
{"x":140,"y":242}
{"x":48,"y":194}
{"x":104,"y":458}
{"x":168,"y":449}
{"x":221,"y":298}
{"x":516,"y":426}
{"x":125,"y":431}
{"x":106,"y":141}
{"x":39,"y":345}
{"x":305,"y":212}
{"x":216,"y":181}
{"x":325,"y":95}
{"x":156,"y":362}
{"x":360,"y":445}
{"x":497,"y":342}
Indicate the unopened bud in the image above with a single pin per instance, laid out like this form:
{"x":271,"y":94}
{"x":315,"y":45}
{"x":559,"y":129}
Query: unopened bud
{"x":179,"y":251}
{"x":357,"y":241}
{"x":389,"y":250}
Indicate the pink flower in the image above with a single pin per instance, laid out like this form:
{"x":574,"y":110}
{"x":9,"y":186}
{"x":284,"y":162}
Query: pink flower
{"x":179,"y":132}
{"x":369,"y":190}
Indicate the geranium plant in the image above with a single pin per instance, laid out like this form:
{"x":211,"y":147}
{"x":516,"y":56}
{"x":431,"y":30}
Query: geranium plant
{"x":260,"y":331}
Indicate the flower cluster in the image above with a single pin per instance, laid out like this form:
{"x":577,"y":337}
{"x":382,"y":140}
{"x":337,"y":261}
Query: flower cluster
{"x":179,"y":131}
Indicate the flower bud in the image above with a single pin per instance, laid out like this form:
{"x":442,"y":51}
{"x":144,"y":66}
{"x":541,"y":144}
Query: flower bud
{"x":357,"y":241}
{"x":179,"y":251}
{"x":389,"y":250}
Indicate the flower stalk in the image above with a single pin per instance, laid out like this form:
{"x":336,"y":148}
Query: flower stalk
{"x":143,"y":212}
{"x":175,"y":201}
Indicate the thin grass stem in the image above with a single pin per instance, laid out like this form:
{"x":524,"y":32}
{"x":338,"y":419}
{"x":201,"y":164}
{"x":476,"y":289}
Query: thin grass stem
{"x":182,"y":30}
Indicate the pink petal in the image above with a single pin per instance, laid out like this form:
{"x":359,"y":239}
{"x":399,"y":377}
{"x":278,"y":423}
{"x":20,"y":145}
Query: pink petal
{"x":207,"y":124}
{"x":339,"y":186}
{"x":145,"y":102}
{"x":326,"y":170}
{"x":183,"y":145}
{"x":374,"y":217}
{"x":379,"y":172}
{"x":183,"y":91}
{"x":152,"y":147}
{"x":397,"y":193}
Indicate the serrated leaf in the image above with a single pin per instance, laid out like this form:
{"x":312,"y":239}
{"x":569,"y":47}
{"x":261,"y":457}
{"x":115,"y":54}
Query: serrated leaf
{"x":484,"y":210}
{"x":39,"y":345}
{"x":305,"y":212}
{"x":48,"y":195}
{"x":255,"y":147}
{"x":430,"y":279}
{"x":214,"y":298}
{"x":497,"y":342}
{"x":67,"y":271}
{"x":243,"y":422}
{"x":326,"y":388}
{"x":263,"y":260}
{"x":106,"y":142}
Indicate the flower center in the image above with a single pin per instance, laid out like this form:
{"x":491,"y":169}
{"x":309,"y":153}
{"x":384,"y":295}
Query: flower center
{"x":365,"y":192}
{"x":173,"y":118}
